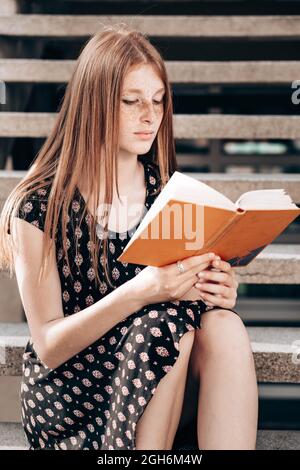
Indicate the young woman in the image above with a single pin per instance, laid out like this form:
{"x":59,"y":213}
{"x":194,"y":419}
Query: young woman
{"x":117,"y":350}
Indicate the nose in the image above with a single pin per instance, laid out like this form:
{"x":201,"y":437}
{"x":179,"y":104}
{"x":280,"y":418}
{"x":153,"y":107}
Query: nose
{"x":148,"y":112}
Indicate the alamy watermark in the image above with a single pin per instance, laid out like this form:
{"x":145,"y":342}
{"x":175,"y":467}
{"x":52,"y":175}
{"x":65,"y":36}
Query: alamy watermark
{"x":296,"y":94}
{"x":2,"y":92}
{"x":176,"y":221}
{"x":2,"y":352}
{"x":296,"y":352}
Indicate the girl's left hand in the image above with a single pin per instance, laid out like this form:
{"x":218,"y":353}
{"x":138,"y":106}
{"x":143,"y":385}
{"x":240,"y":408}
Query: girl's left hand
{"x":218,"y":287}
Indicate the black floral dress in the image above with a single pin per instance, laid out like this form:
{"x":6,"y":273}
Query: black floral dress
{"x":95,"y":399}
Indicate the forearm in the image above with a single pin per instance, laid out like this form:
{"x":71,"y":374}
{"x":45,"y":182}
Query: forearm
{"x":65,"y":337}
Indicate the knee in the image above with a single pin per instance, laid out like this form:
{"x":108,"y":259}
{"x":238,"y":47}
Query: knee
{"x":223,"y":332}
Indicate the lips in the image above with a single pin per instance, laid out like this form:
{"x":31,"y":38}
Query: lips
{"x":144,"y":135}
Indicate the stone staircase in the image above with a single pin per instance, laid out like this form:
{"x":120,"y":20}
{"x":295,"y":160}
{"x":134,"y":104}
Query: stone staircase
{"x":275,"y":345}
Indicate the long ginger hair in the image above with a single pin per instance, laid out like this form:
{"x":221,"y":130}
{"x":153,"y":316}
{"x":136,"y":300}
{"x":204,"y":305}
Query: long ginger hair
{"x":84,"y":129}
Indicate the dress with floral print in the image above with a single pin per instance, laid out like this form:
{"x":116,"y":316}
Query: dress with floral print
{"x":95,"y":399}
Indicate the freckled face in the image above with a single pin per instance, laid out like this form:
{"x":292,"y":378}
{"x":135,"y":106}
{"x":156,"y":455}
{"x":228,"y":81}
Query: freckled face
{"x":140,"y":110}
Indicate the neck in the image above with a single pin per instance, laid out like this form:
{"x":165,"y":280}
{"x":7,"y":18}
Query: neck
{"x":129,"y":169}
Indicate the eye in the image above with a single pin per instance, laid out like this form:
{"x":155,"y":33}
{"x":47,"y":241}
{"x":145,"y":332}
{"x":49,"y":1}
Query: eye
{"x":129,"y":102}
{"x":132,"y":102}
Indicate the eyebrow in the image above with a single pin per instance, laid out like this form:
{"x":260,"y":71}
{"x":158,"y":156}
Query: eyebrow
{"x":136,"y":90}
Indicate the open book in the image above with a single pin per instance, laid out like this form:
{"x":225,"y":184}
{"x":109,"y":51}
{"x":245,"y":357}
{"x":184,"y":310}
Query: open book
{"x":190,"y":218}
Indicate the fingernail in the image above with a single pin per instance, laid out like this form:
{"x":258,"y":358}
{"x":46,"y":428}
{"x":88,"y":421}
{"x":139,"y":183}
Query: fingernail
{"x":211,"y":255}
{"x":218,"y":257}
{"x":200,"y":275}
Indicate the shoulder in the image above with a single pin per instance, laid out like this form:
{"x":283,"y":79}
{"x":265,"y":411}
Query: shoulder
{"x":32,"y":207}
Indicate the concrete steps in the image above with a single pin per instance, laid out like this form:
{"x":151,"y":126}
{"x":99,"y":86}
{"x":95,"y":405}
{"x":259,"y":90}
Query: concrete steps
{"x":275,"y":351}
{"x":12,"y":437}
{"x":187,"y":72}
{"x":8,"y":7}
{"x":67,"y":26}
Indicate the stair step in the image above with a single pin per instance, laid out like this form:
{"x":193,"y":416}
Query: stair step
{"x":60,"y":71}
{"x":11,"y":308}
{"x":13,"y":437}
{"x":278,"y":440}
{"x":10,"y":403}
{"x":186,"y":126}
{"x":266,"y":440}
{"x":274,"y":349}
{"x":8,"y":7}
{"x":161,"y":25}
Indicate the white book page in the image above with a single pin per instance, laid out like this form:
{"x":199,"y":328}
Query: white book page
{"x":266,"y":199}
{"x":189,"y":189}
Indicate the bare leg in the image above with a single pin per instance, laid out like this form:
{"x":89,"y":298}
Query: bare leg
{"x":228,"y":396}
{"x":157,"y":426}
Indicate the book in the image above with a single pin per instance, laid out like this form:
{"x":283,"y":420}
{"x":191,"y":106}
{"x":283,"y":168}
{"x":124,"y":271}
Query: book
{"x":190,"y":218}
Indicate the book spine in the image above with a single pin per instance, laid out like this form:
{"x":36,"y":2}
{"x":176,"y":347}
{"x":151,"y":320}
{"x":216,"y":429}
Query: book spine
{"x":223,"y":230}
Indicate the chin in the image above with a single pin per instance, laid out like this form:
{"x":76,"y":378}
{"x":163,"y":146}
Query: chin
{"x":139,"y":149}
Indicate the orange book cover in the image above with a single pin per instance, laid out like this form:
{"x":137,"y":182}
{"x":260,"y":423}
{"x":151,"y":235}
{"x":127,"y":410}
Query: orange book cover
{"x":189,"y":218}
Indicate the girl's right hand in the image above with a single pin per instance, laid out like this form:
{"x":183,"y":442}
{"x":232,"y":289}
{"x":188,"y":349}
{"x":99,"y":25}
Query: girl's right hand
{"x":161,"y":284}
